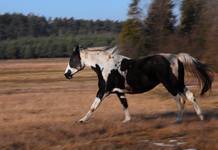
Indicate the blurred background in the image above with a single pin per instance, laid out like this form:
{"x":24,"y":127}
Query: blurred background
{"x":42,"y":29}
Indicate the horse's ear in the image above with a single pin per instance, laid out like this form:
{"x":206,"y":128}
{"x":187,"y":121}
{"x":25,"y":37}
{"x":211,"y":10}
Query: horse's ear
{"x":77,"y":49}
{"x":125,"y":64}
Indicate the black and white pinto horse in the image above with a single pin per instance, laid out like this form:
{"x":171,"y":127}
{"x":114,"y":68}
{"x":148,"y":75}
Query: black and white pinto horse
{"x":120,"y":75}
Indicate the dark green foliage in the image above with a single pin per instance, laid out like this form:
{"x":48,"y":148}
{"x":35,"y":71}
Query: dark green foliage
{"x":34,"y":36}
{"x":193,"y":26}
{"x":53,"y":46}
{"x":159,"y":24}
{"x":17,"y":25}
{"x":160,"y":17}
{"x":131,"y":37}
{"x":191,"y":11}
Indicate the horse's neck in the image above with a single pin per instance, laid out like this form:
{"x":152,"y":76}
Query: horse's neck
{"x":105,"y":61}
{"x":91,"y":59}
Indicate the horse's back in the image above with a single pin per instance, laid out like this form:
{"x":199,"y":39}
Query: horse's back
{"x":152,"y":65}
{"x":144,"y":73}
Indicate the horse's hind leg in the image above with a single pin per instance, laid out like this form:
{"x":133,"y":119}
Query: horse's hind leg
{"x":189,"y":95}
{"x":180,"y":105}
{"x":173,"y":89}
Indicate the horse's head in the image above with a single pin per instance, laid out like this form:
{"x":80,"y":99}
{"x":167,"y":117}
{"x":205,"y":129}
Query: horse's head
{"x":75,"y":64}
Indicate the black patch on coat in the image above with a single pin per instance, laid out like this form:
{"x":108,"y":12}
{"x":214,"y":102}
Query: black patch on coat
{"x":146,"y":73}
{"x":101,"y":81}
{"x":115,"y":80}
{"x":181,"y":76}
{"x":126,"y":64}
{"x":75,"y":60}
{"x":123,"y":99}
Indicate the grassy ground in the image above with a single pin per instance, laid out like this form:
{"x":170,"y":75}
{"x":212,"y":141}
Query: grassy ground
{"x":39,"y":109}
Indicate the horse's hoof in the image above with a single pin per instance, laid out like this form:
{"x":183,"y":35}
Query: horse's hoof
{"x":178,"y":121}
{"x":126,"y":120}
{"x":82,"y":121}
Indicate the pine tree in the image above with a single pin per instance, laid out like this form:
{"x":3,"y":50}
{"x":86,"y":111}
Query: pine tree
{"x":191,"y":11}
{"x":134,"y":10}
{"x":130,"y":39}
{"x":159,"y":24}
{"x":193,"y":26}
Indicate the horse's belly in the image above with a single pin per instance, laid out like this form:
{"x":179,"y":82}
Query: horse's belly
{"x":140,"y":85}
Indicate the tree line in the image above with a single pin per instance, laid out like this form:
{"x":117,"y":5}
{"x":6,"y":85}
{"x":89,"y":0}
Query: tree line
{"x":196,"y":31}
{"x":31,"y":36}
{"x":13,"y":26}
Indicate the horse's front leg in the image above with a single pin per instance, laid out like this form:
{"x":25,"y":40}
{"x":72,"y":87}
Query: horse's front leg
{"x":96,"y":103}
{"x":124,"y":103}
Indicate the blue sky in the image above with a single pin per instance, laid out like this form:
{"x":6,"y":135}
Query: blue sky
{"x":79,"y":9}
{"x":85,"y":9}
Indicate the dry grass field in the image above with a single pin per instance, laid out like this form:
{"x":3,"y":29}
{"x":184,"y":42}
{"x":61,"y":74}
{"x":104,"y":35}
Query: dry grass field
{"x":39,"y":110}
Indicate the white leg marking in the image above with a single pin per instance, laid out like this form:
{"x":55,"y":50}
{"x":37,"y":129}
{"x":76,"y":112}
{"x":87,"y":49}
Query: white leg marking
{"x":118,"y":90}
{"x":122,"y":96}
{"x":127,"y":116}
{"x":189,"y":95}
{"x":94,"y":106}
{"x":86,"y":117}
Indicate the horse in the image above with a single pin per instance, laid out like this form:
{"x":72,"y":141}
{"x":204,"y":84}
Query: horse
{"x":120,"y":75}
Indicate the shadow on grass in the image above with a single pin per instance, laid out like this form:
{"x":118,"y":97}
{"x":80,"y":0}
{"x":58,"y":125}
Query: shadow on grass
{"x":208,"y":115}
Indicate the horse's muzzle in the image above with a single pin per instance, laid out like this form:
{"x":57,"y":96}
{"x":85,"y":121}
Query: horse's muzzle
{"x":68,"y":75}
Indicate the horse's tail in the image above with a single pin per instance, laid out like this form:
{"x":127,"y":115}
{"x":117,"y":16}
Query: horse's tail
{"x":200,"y":70}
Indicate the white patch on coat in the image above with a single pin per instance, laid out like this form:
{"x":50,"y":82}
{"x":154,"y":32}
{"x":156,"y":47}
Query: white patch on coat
{"x":72,"y":70}
{"x":106,"y":60}
{"x":173,"y":62}
{"x":184,"y":57}
{"x":189,"y":95}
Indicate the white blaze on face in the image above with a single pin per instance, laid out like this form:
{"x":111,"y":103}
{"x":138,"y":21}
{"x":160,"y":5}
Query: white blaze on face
{"x":72,"y":70}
